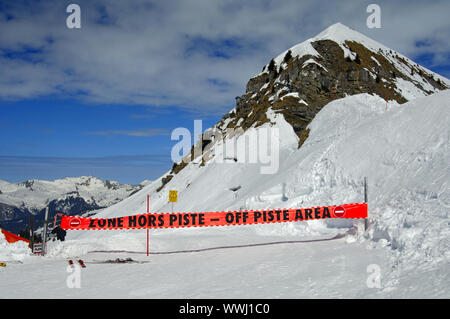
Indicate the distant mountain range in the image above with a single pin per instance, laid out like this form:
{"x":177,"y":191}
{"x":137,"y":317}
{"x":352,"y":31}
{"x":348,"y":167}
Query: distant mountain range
{"x":72,"y":195}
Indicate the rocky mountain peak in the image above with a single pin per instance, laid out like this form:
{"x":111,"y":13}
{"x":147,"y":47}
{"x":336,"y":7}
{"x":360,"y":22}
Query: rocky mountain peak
{"x":336,"y":63}
{"x":300,"y":81}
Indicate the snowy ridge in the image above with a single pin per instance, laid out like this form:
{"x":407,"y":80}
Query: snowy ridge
{"x":341,"y":33}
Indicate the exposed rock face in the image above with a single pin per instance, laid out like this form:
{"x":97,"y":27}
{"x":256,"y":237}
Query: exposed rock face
{"x":9,"y":213}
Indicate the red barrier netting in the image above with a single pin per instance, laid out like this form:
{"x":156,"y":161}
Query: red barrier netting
{"x":11,"y":238}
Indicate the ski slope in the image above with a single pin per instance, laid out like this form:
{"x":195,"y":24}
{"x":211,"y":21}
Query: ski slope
{"x":402,"y":149}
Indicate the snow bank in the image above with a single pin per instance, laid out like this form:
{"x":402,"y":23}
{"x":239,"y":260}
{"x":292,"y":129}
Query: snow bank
{"x":17,"y":251}
{"x":404,"y":153}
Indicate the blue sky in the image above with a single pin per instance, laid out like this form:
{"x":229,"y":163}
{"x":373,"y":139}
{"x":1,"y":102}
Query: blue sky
{"x":49,"y":138}
{"x":102,"y":100}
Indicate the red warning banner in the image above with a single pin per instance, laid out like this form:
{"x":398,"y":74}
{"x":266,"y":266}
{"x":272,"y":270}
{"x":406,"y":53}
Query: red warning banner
{"x":245,"y":217}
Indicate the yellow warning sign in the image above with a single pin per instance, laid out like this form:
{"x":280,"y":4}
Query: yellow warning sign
{"x":173,"y":196}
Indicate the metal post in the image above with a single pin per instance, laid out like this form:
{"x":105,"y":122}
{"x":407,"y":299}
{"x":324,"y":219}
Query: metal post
{"x":148,"y":231}
{"x":44,"y":236}
{"x":366,"y":200}
{"x":387,"y":97}
{"x":31,"y":226}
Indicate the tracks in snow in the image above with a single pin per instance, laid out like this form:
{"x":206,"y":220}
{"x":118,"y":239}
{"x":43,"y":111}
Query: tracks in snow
{"x":351,"y":231}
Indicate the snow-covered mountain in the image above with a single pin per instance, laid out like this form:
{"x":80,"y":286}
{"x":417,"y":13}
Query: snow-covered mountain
{"x":72,"y":195}
{"x":336,"y":63}
{"x":335,"y":125}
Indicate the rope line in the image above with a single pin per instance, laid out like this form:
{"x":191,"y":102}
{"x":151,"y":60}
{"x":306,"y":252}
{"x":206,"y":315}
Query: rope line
{"x":338,"y":236}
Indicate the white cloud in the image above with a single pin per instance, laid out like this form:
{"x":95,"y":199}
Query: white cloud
{"x":143,"y":132}
{"x":135,"y":52}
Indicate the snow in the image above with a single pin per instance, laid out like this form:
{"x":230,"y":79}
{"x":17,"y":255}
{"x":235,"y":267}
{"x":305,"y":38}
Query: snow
{"x":408,"y":90}
{"x":17,"y":251}
{"x":293,"y":94}
{"x":312,"y":61}
{"x":296,"y":95}
{"x":340,"y":33}
{"x":226,"y":122}
{"x":145,"y":182}
{"x":375,"y":60}
{"x":304,"y":48}
{"x":301,"y":49}
{"x":265,"y":86}
{"x":276,"y":271}
{"x":403,"y":150}
{"x":39,"y":192}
